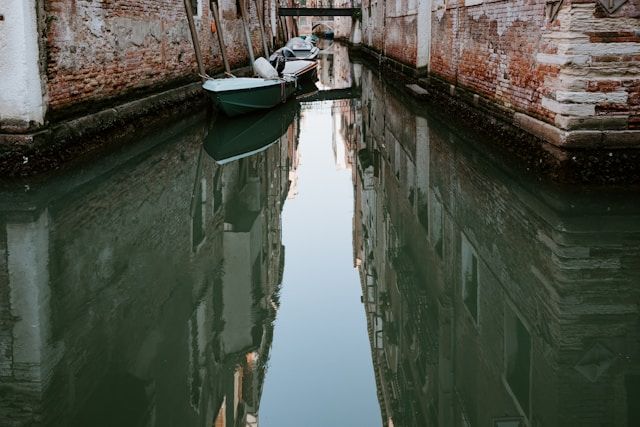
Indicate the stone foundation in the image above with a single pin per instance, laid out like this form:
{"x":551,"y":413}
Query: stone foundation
{"x":69,"y":141}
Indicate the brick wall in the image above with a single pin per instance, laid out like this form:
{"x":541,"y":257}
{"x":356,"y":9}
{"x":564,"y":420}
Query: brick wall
{"x":491,"y":49}
{"x":577,"y":71}
{"x":102,"y":49}
{"x":391,"y":29}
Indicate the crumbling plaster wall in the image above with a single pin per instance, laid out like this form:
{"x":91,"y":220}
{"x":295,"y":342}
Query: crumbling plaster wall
{"x":578,"y":70}
{"x":104,"y":49}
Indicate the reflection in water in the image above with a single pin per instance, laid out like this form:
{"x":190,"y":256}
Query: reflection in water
{"x":335,"y":68}
{"x":233,"y":138}
{"x":144,"y":290}
{"x":489,"y":302}
{"x":144,"y":294}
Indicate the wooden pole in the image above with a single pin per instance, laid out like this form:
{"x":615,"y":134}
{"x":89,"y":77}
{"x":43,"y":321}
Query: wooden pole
{"x":264,"y":37}
{"x":247,"y":35}
{"x":194,"y":39}
{"x":223,"y":48}
{"x":282,"y":29}
{"x":285,"y":21}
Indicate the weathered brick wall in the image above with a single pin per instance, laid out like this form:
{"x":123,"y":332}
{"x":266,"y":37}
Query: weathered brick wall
{"x":577,"y":71}
{"x":391,"y":29}
{"x":401,"y":38}
{"x":491,"y":49}
{"x":373,"y":20}
{"x":101,"y":49}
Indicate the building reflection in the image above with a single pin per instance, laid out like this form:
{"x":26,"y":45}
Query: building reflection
{"x":143,"y":291}
{"x":335,"y":70}
{"x":489,"y":301}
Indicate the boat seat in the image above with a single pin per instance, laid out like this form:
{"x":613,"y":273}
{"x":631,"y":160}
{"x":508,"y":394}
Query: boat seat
{"x":264,"y":69}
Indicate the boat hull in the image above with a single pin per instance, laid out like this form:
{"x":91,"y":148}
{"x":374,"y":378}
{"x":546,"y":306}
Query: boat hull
{"x":243,"y":101}
{"x":303,"y":71}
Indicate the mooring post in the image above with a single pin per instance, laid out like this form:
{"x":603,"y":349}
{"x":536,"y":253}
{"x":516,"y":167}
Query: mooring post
{"x":223,"y":48}
{"x":264,"y":37}
{"x":247,"y":34}
{"x":194,"y":39}
{"x":285,"y":27}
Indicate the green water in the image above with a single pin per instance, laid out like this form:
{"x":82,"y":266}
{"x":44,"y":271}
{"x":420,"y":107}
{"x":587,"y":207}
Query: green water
{"x":368,"y":265}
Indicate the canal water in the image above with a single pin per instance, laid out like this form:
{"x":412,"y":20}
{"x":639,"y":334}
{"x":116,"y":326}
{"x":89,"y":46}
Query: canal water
{"x":347,"y":259}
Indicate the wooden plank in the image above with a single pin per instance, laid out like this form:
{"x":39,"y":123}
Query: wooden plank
{"x":194,"y":39}
{"x":262,"y":32}
{"x":219,"y":33}
{"x":317,"y":11}
{"x":247,"y":34}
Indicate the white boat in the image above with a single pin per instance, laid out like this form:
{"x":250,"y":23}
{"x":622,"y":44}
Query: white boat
{"x":242,"y":95}
{"x":301,"y":70}
{"x":302,"y":49}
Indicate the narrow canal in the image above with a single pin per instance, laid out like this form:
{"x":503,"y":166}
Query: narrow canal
{"x":345,"y":260}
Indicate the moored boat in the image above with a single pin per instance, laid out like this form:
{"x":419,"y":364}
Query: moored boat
{"x":301,"y":70}
{"x":235,"y":96}
{"x":302,"y":49}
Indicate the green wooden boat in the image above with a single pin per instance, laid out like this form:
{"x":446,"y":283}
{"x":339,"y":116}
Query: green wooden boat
{"x":231,"y":139}
{"x":235,"y":96}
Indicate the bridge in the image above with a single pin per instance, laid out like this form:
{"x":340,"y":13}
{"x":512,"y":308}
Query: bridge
{"x":318,"y":11}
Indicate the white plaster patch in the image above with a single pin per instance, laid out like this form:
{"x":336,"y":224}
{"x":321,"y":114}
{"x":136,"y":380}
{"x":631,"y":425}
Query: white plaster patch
{"x":424,"y":33}
{"x":21,"y":96}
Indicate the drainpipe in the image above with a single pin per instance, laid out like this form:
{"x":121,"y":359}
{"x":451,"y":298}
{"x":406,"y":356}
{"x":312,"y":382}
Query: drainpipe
{"x":194,"y":39}
{"x":223,"y":48}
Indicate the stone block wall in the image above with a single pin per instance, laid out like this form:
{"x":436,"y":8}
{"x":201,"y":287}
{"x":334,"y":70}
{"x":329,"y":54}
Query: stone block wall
{"x":598,"y":55}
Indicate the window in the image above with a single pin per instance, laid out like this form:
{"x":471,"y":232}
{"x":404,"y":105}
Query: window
{"x":470,"y":279}
{"x":517,"y":355}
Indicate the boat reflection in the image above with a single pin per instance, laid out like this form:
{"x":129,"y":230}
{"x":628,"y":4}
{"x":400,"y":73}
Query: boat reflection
{"x":231,"y":139}
{"x":131,"y":296}
{"x":490,"y":301}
